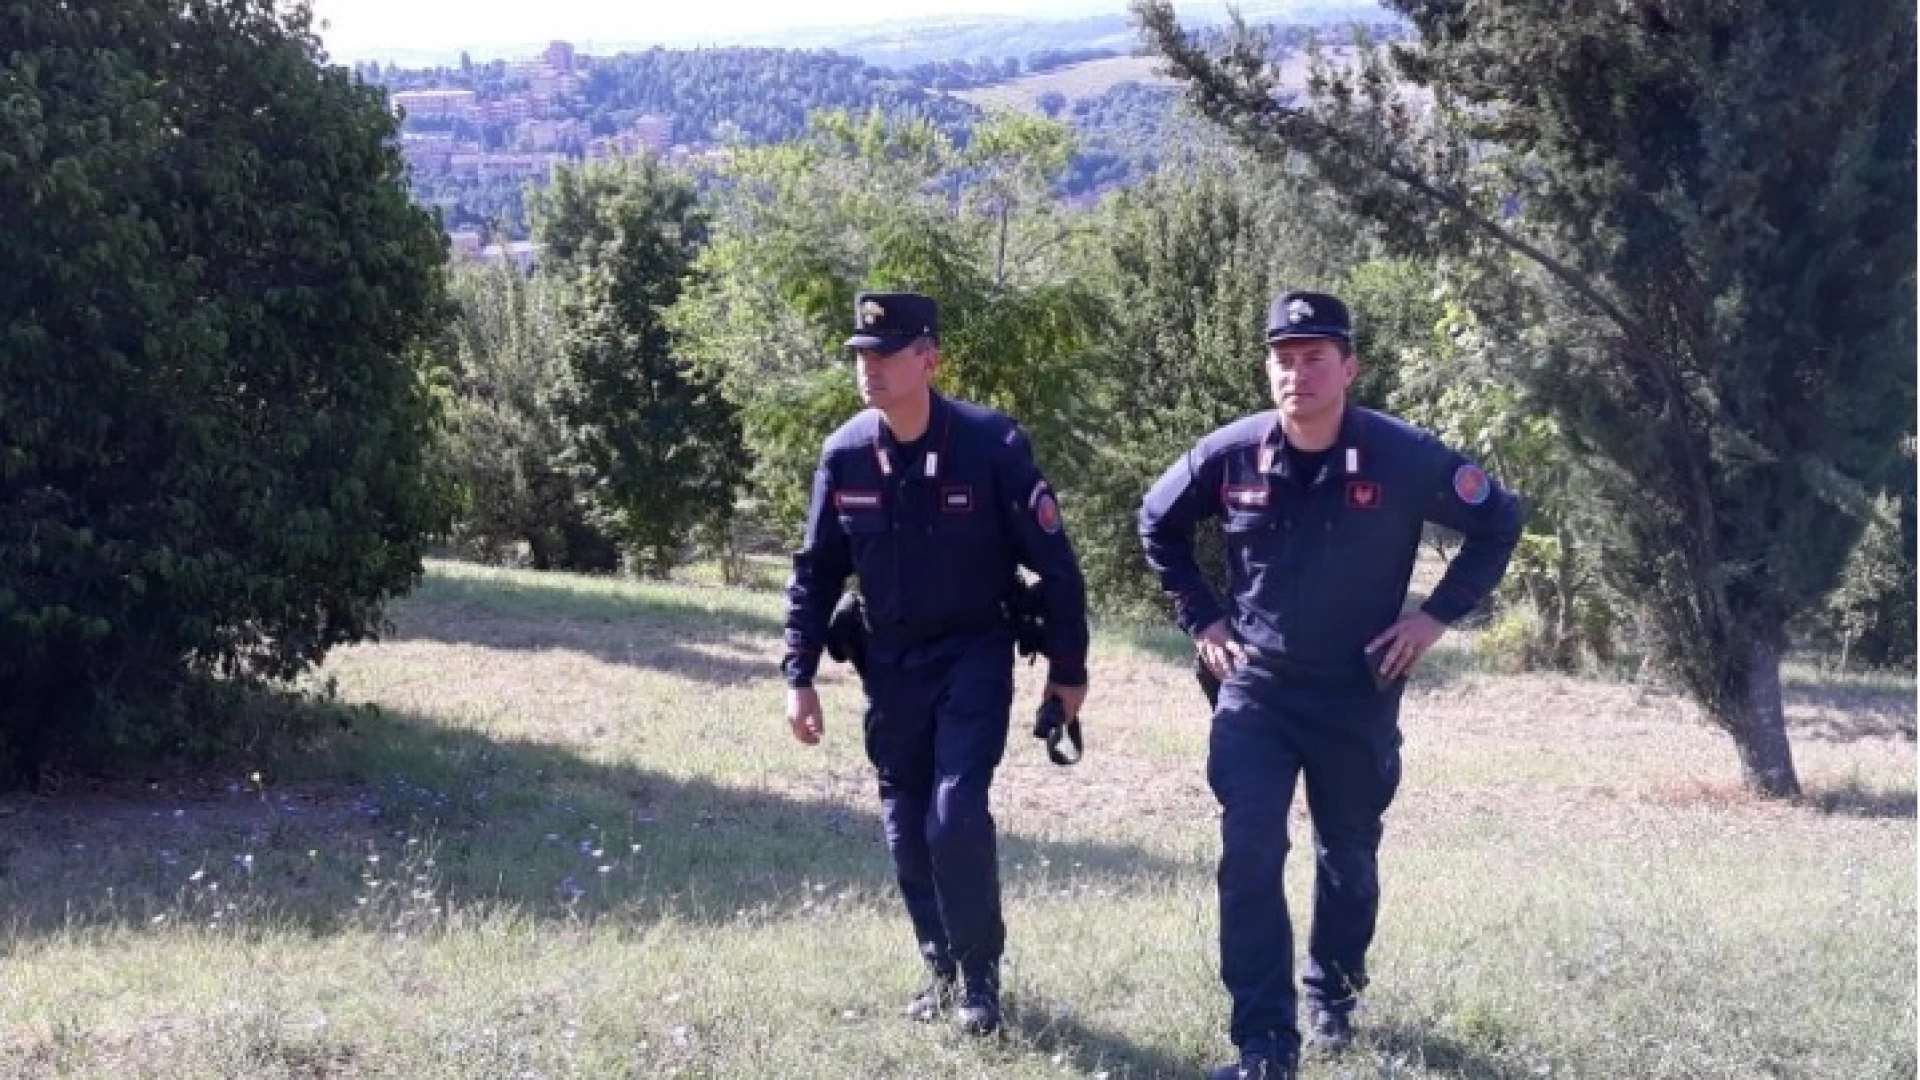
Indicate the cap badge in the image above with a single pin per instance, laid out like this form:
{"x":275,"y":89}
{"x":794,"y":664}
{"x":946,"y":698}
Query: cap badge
{"x":871,"y":312}
{"x":1299,"y":311}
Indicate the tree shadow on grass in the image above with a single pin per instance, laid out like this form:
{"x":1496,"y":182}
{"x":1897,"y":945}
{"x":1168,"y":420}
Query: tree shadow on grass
{"x":391,"y":824}
{"x":717,"y":636}
{"x":1402,"y":1042}
{"x":1842,"y":712}
{"x":1853,"y":799}
{"x":1089,"y":1050}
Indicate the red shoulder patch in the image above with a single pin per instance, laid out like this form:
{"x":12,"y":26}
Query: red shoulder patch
{"x":1046,"y":511}
{"x":1470,"y":483}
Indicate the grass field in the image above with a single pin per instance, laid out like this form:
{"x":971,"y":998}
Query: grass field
{"x":575,"y":839}
{"x":1095,"y":77}
{"x":1090,"y":78}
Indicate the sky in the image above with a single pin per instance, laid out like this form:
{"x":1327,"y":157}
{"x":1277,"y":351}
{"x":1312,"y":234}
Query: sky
{"x":361,"y":27}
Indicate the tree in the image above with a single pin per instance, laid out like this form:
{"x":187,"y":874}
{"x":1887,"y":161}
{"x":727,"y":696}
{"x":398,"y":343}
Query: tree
{"x":655,"y":446}
{"x":878,"y":203}
{"x":1713,"y":203}
{"x":1187,"y":264}
{"x":214,"y":416}
{"x":505,"y":445}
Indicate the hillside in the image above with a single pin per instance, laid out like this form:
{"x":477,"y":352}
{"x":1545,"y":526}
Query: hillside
{"x":561,"y":830}
{"x":1075,"y":82}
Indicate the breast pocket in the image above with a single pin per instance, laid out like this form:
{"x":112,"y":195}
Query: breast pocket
{"x":1255,"y":545}
{"x":867,"y":533}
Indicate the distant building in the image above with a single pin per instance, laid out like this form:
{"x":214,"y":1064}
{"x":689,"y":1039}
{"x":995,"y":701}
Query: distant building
{"x":508,"y":110}
{"x":440,"y":105}
{"x":559,"y":56}
{"x":465,"y":243}
{"x":650,"y":132}
{"x":517,"y":166}
{"x":653,"y":132}
{"x":552,"y":134}
{"x":521,"y":253}
{"x":428,"y":152}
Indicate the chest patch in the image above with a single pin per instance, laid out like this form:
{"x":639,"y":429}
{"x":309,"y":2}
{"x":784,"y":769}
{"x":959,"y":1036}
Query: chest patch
{"x":956,"y":500}
{"x":1363,"y":495}
{"x":852,"y":499}
{"x":1248,"y":497}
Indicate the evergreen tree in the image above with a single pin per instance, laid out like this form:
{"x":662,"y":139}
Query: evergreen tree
{"x":1714,"y":206}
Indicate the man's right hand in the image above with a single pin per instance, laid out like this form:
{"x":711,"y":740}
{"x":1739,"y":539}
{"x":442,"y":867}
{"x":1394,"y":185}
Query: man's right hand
{"x":1219,"y":650}
{"x":803,"y":714}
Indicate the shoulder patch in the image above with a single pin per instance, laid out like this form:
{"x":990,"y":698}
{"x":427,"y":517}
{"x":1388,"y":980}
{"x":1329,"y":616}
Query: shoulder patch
{"x":1470,"y":483}
{"x":1045,"y":509}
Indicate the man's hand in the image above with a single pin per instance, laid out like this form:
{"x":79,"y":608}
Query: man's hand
{"x":803,"y":714}
{"x":1071,"y":698}
{"x":1406,"y":642}
{"x":1219,"y":650}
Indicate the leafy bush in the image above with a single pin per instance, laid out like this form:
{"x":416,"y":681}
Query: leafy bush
{"x":213,"y":420}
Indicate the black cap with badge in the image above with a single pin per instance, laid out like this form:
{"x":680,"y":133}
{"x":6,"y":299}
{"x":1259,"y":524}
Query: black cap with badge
{"x":1308,"y":315}
{"x":886,"y":322}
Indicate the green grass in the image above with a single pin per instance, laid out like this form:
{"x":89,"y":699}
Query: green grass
{"x":574,"y":839}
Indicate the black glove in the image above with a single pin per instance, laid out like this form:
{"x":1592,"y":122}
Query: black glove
{"x":1050,"y":723}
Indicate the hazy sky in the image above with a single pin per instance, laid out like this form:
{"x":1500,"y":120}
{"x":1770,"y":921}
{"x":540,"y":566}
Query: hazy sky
{"x":359,"y":26}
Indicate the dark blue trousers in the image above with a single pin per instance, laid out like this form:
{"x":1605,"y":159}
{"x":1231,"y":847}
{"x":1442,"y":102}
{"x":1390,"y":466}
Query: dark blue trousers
{"x":936,"y":731}
{"x":1267,"y":734}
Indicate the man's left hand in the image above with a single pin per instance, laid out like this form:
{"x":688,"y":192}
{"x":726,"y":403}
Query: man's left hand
{"x":1405,"y":642}
{"x":1071,"y":698}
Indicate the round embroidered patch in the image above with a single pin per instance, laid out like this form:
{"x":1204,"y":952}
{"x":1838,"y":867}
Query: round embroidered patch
{"x":1471,"y":484}
{"x":1047,"y":512}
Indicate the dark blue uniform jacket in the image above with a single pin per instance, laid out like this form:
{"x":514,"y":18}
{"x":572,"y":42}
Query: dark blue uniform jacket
{"x":934,"y":539}
{"x":1320,"y":565}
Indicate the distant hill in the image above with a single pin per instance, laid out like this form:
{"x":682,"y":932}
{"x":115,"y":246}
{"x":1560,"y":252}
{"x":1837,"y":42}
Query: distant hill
{"x":904,"y":43}
{"x":1073,"y":83}
{"x":1093,"y":78}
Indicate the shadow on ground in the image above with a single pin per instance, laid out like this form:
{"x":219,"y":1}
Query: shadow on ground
{"x":1436,"y":1053}
{"x":716,"y":636}
{"x":1841,"y":712}
{"x":389,"y":824}
{"x":1088,"y":1050}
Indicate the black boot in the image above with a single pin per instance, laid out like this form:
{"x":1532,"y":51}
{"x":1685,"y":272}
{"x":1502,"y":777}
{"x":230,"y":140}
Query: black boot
{"x":935,"y":999}
{"x":1331,"y":1031}
{"x":980,"y":1004}
{"x":1258,"y":1061}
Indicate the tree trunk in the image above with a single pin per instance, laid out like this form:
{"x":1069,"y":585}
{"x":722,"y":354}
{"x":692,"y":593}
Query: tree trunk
{"x":1758,"y":724}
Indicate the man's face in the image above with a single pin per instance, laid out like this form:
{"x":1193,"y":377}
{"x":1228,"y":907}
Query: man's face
{"x":1309,"y":376}
{"x":890,"y":379}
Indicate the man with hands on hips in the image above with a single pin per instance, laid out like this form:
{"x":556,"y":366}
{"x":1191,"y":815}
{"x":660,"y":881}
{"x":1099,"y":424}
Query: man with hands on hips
{"x":1323,"y":505}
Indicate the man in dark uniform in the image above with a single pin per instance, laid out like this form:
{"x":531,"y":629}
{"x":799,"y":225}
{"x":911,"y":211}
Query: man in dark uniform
{"x":1323,"y":504}
{"x":933,"y":503}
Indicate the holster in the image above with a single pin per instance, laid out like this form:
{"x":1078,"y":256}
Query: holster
{"x":847,"y":632}
{"x":1028,"y":613}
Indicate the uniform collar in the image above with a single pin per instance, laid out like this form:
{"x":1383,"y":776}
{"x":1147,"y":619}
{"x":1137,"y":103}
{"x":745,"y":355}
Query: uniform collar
{"x":933,"y":444}
{"x":1349,"y":458}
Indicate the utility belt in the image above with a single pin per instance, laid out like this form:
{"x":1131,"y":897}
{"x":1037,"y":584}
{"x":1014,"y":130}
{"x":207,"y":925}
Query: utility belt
{"x":849,"y":635}
{"x":922,"y":633}
{"x":1295,"y":673}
